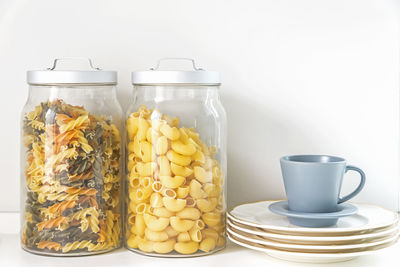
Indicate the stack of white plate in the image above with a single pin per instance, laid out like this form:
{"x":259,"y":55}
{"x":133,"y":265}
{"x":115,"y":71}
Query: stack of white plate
{"x":253,"y":226}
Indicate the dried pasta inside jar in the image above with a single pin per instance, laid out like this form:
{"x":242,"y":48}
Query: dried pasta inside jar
{"x":174,"y":192}
{"x":72,"y":180}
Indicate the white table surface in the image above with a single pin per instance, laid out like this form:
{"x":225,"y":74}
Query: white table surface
{"x":11,"y":255}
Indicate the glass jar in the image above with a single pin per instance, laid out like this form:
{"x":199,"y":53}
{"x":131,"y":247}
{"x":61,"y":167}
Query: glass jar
{"x":71,"y":160}
{"x":176,"y":164}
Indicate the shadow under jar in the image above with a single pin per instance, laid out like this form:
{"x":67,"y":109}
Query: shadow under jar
{"x":71,"y":156}
{"x":176,"y":164}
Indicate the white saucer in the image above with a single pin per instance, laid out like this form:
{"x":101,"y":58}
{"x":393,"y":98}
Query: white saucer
{"x":308,"y":248}
{"x":368,"y":219}
{"x":308,"y":219}
{"x":303,"y":239}
{"x":308,"y":257}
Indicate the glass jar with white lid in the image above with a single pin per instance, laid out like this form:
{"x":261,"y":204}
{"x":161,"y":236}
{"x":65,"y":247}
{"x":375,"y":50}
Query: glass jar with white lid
{"x":176,"y":163}
{"x":71,"y":162}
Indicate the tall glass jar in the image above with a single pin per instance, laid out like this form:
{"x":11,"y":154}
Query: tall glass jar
{"x":176,"y":164}
{"x":71,"y":163}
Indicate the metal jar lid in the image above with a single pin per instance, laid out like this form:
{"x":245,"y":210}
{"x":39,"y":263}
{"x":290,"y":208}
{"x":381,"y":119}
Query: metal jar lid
{"x":154,"y":76}
{"x":51,"y":76}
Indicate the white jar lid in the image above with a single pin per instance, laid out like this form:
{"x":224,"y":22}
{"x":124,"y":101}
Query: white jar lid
{"x":51,"y":76}
{"x":154,"y":76}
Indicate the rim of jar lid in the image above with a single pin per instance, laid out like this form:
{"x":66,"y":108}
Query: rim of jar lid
{"x":173,"y":77}
{"x":71,"y":77}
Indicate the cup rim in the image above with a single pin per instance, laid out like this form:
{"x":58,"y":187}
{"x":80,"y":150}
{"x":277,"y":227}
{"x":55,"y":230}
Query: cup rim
{"x":289,"y":158}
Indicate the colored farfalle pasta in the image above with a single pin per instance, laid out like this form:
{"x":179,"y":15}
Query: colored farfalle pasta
{"x":175,"y":197}
{"x":72,"y":180}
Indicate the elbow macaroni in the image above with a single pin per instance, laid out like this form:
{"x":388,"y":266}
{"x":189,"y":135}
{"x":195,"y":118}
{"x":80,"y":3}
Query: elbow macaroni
{"x":176,"y":200}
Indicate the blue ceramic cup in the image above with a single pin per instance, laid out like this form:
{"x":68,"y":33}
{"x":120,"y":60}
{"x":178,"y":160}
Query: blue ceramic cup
{"x":313,"y":182}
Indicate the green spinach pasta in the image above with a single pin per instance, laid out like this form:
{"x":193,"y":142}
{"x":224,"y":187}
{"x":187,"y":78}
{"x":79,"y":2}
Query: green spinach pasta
{"x":72,"y":180}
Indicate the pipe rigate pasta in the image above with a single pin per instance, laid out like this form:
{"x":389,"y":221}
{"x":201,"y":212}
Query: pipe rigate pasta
{"x":155,"y":236}
{"x":164,"y":247}
{"x":181,"y":225}
{"x":207,"y":244}
{"x":189,"y":213}
{"x":155,"y":223}
{"x":173,"y":174}
{"x":195,"y":234}
{"x":174,"y":205}
{"x":178,"y":158}
{"x":172,"y":182}
{"x":189,"y":247}
{"x":183,"y":237}
{"x":73,"y":180}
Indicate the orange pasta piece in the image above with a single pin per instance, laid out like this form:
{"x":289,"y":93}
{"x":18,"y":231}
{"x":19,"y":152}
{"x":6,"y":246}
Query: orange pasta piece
{"x":89,"y":199}
{"x":52,"y":223}
{"x":62,"y":206}
{"x":49,"y":244}
{"x":23,"y":240}
{"x":63,"y":119}
{"x":81,"y":191}
{"x":102,"y":232}
{"x":82,"y":176}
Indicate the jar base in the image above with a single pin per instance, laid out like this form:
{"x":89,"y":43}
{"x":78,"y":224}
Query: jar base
{"x":175,"y":254}
{"x":77,"y":254}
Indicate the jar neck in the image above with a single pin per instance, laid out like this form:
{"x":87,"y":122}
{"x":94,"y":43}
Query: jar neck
{"x":174,"y":92}
{"x":51,"y":92}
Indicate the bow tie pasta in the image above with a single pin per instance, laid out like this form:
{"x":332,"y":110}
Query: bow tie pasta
{"x":72,"y":180}
{"x":174,"y":188}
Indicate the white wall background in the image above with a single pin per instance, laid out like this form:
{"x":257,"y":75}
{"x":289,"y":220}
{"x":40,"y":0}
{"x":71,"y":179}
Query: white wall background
{"x":305,"y":76}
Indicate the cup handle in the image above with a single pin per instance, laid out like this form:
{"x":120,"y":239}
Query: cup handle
{"x":359,"y":187}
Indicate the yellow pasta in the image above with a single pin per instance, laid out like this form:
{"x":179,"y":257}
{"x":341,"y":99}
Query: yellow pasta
{"x":184,"y":149}
{"x":182,"y":191}
{"x":142,"y":208}
{"x":164,"y":247}
{"x":133,"y":241}
{"x":199,"y":156}
{"x":156,"y":200}
{"x":211,"y":218}
{"x":145,"y":149}
{"x":140,"y":225}
{"x":154,"y":223}
{"x":155,"y":236}
{"x":175,"y":187}
{"x":164,"y":166}
{"x":221,"y":241}
{"x":207,"y":205}
{"x":146,"y":246}
{"x":212,"y":190}
{"x":211,"y":233}
{"x":132,"y":126}
{"x":178,"y":158}
{"x":189,"y":213}
{"x":195,"y":190}
{"x":162,"y":212}
{"x":173,"y":204}
{"x":195,"y":234}
{"x":207,"y":244}
{"x":172,"y":182}
{"x":168,"y":192}
{"x":181,"y":225}
{"x":162,"y":145}
{"x":183,"y":237}
{"x":143,"y":125}
{"x":171,"y":232}
{"x":186,"y":247}
{"x":199,"y":224}
{"x":202,"y":175}
{"x":171,"y":133}
{"x":180,"y":170}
